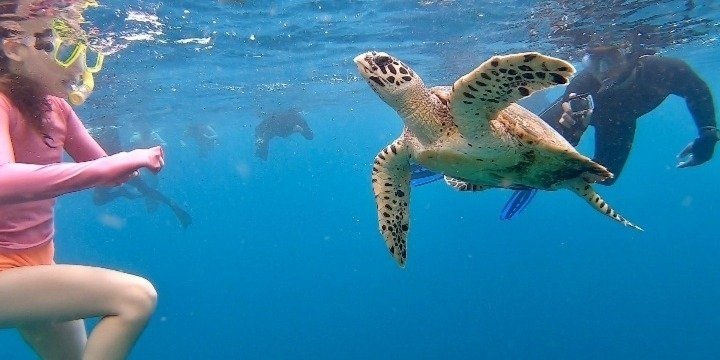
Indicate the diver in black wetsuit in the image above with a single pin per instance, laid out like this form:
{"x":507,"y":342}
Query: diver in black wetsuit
{"x":108,"y":137}
{"x":280,"y":124}
{"x":625,"y":87}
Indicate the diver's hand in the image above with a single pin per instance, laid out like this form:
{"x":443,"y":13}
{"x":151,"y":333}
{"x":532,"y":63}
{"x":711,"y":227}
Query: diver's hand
{"x":576,"y":112}
{"x":575,"y":117}
{"x":700,"y":150}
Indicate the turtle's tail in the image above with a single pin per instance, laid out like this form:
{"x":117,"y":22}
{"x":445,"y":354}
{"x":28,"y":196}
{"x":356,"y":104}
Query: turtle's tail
{"x":586,"y":191}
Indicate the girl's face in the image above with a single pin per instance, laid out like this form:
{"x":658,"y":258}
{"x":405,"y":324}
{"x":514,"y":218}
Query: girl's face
{"x":39,"y":65}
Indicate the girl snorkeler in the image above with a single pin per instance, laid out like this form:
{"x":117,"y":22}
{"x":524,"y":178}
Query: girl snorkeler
{"x":47,"y":302}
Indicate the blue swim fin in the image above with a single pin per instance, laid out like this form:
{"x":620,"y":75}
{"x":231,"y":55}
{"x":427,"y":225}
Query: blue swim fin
{"x":519,"y":200}
{"x":421,"y":175}
{"x":517,"y":203}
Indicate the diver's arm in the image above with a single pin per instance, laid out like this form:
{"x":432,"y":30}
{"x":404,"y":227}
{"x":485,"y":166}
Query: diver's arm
{"x":29,"y":182}
{"x":262,"y":128}
{"x":683,"y":81}
{"x":582,"y":84}
{"x":553,"y":113}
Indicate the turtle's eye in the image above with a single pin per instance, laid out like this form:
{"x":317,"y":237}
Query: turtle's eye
{"x":382,"y":60}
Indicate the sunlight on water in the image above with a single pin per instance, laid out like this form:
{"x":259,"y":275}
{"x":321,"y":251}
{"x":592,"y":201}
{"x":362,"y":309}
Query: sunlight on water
{"x":281,"y":257}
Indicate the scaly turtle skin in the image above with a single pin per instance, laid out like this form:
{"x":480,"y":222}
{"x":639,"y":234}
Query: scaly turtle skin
{"x":474,"y":134}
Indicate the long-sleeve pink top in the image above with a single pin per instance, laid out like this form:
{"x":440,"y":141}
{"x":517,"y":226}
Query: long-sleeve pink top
{"x":32,"y":173}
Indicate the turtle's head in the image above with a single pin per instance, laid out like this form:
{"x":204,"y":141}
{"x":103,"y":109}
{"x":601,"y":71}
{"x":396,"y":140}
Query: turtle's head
{"x":388,"y":76}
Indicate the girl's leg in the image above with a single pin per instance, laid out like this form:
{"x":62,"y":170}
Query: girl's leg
{"x":61,"y":341}
{"x":47,"y":294}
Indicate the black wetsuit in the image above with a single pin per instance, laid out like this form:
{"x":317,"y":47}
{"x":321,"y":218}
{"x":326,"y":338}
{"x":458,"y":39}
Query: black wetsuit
{"x":282,"y":124}
{"x":647,"y":82}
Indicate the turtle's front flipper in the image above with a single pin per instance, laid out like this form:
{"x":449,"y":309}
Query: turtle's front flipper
{"x":461,"y":185}
{"x":391,"y":185}
{"x":500,"y":81}
{"x":585,"y":190}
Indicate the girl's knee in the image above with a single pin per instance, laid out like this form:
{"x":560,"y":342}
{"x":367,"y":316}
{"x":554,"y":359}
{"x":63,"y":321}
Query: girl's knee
{"x":139,"y":297}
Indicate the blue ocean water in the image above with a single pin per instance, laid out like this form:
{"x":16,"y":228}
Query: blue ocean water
{"x":283,"y":259}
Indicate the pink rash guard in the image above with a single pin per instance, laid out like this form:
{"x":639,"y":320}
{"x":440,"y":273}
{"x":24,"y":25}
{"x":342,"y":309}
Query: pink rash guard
{"x":32,"y":174}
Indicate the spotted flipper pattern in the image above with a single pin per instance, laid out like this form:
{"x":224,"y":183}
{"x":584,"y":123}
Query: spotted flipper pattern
{"x":586,"y":191}
{"x":461,"y":185}
{"x":500,"y":81}
{"x":391,"y":186}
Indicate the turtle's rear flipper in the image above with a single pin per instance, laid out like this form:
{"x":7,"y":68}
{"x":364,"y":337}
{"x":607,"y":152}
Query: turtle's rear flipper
{"x":391,"y":186}
{"x":461,"y":185}
{"x":586,"y":191}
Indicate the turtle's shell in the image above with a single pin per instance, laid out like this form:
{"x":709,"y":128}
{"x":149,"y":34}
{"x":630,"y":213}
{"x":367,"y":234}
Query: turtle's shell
{"x":517,"y":150}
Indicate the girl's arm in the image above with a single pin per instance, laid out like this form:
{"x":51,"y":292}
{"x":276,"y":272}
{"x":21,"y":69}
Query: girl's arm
{"x":30,"y":182}
{"x":78,"y":142}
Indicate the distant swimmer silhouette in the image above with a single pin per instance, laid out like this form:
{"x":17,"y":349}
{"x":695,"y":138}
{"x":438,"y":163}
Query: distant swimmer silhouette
{"x":204,"y":135}
{"x":146,"y":136}
{"x":108,"y":137}
{"x":279,"y":124}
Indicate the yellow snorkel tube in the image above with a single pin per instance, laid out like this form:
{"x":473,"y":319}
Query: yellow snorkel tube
{"x":81,"y":91}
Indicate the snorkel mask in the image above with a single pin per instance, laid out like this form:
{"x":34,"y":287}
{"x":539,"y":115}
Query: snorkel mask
{"x":602,"y":60}
{"x":66,"y":51}
{"x":607,"y":64}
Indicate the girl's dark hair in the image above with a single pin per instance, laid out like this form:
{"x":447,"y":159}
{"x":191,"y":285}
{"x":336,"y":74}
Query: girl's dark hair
{"x":22,"y":92}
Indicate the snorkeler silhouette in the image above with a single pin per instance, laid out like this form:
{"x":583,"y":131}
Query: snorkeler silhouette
{"x":108,"y":137}
{"x":279,"y":124}
{"x":204,"y":135}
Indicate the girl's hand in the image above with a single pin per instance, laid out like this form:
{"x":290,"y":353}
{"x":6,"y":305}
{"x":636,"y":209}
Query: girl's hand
{"x":153,"y":159}
{"x":156,"y":159}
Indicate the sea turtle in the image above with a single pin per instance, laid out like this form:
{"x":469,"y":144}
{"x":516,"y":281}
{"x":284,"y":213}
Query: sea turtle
{"x":474,"y":134}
